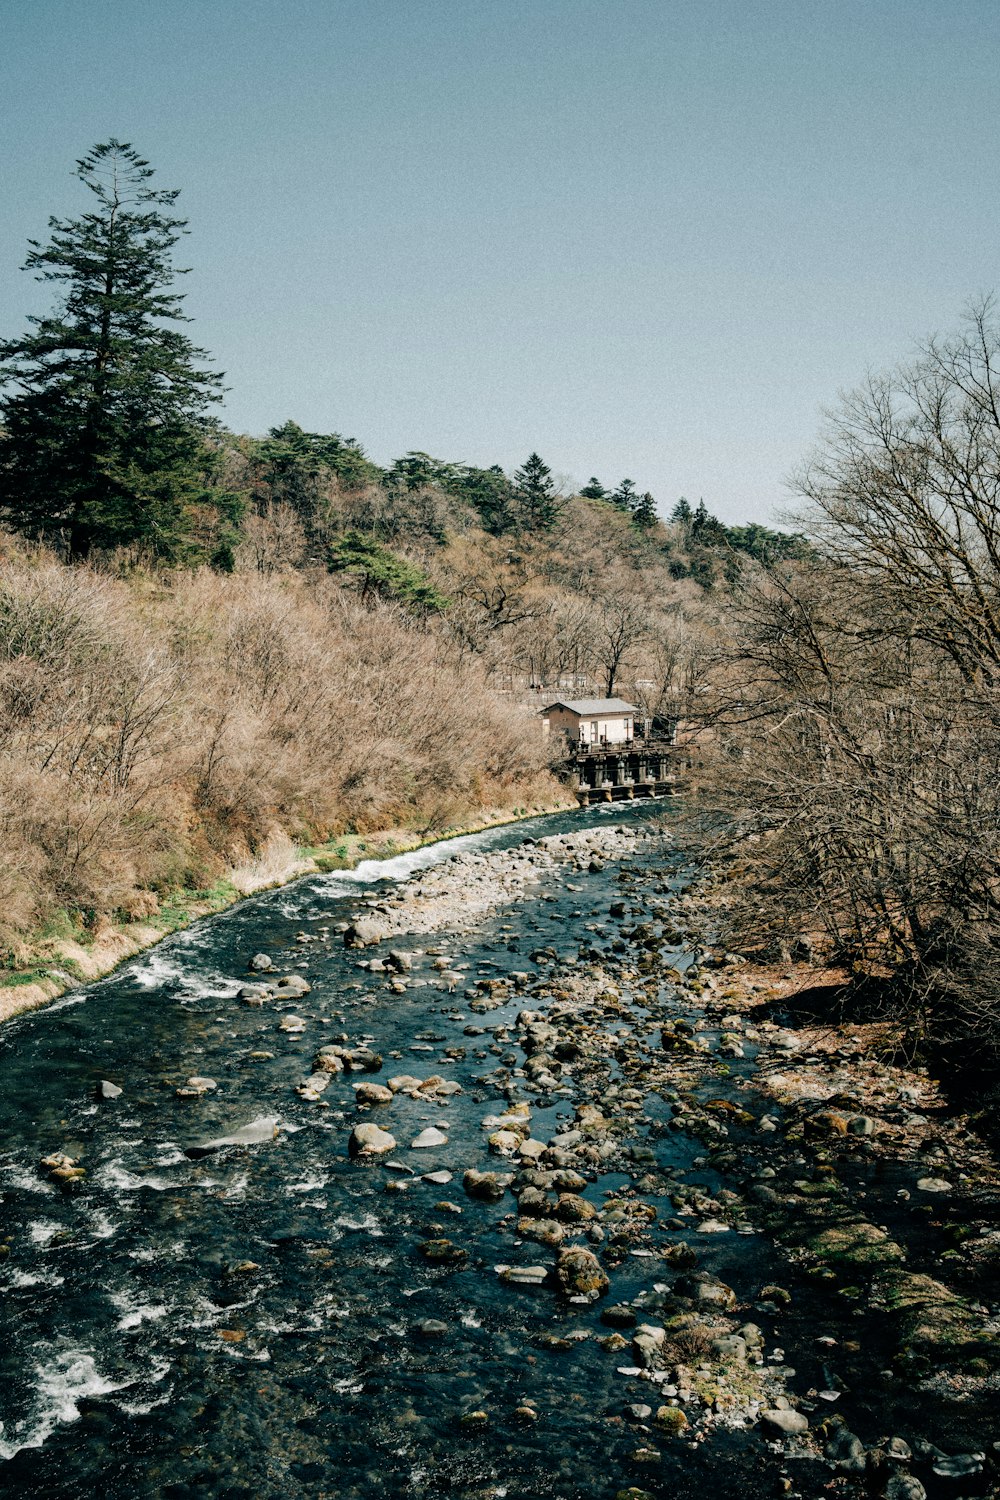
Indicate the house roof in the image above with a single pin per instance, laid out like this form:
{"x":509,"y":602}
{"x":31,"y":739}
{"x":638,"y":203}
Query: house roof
{"x":589,"y":706}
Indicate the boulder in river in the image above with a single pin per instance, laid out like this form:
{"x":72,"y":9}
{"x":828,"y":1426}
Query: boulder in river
{"x":580,"y":1274}
{"x":443,"y":1253}
{"x":489,"y":1187}
{"x":370,"y":1140}
{"x":107,"y":1090}
{"x":63,"y":1169}
{"x":292,"y":985}
{"x":194,"y":1088}
{"x":329,"y":1060}
{"x":295,"y":1025}
{"x":372,"y":1093}
{"x":504,"y":1142}
{"x":363,"y":933}
{"x":522,"y":1275}
{"x":261,"y":963}
{"x":254,"y":994}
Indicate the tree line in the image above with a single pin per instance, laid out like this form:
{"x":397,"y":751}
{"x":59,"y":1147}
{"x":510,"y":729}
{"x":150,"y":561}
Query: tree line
{"x":108,"y":439}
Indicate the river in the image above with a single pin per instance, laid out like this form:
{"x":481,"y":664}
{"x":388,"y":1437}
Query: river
{"x":262,"y":1321}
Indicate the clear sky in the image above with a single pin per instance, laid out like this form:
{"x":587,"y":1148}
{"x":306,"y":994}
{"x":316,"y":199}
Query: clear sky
{"x":644,"y":237}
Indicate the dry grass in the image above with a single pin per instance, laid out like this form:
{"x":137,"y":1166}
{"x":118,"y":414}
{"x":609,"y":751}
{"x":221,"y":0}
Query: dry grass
{"x":156,"y":731}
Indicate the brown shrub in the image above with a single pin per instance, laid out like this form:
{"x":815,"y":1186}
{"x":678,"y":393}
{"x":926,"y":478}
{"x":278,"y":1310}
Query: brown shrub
{"x":155,"y":730}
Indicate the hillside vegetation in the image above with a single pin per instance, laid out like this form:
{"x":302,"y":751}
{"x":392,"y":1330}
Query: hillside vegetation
{"x":161,"y":724}
{"x":158,"y":729}
{"x":211,"y":640}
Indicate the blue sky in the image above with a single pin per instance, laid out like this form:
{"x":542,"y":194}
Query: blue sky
{"x":643,"y":238}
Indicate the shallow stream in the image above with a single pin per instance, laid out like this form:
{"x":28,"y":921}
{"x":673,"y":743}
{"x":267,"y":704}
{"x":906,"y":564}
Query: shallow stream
{"x":248,"y":1324}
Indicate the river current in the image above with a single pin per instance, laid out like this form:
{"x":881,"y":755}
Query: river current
{"x":258,"y":1322}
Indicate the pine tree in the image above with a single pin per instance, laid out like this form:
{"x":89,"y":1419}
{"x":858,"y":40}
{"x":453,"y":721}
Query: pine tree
{"x":626,"y":496}
{"x":540,"y":506}
{"x":706,"y":528}
{"x":594,"y":489}
{"x":644,"y":514}
{"x":491,"y":494}
{"x":104,"y":408}
{"x":682,"y":512}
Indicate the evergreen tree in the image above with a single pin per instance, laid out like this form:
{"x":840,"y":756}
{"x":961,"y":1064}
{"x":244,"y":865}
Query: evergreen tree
{"x":682,"y":512}
{"x":418,"y":470}
{"x":706,"y":528}
{"x":594,"y":490}
{"x":644,"y":514}
{"x":297,"y":465}
{"x":104,"y":406}
{"x":626,"y":496}
{"x":491,"y":494}
{"x":540,"y":506}
{"x":384,"y":575}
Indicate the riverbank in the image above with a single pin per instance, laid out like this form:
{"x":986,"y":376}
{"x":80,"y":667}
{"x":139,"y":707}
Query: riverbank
{"x":56,"y":963}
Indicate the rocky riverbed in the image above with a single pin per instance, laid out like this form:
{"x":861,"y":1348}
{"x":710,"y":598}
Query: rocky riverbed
{"x":497,"y":1179}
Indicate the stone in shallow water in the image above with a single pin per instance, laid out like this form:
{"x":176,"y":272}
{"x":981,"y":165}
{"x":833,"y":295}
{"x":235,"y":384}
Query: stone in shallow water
{"x":428,"y":1138}
{"x":106,"y":1090}
{"x":618,"y":1316}
{"x":328,"y":1060}
{"x":531,"y":1150}
{"x":522,"y":1275}
{"x":443,"y":1253}
{"x":579,"y":1273}
{"x":934,"y":1185}
{"x":372,"y":1093}
{"x":313,"y":1086}
{"x":404,"y":1083}
{"x":489,"y":1187}
{"x":670,"y":1419}
{"x":292,"y":984}
{"x":261,"y":963}
{"x":193,"y":1088}
{"x":254,"y":994}
{"x":431,"y":1328}
{"x":363,"y":933}
{"x":370,"y":1140}
{"x":504,"y":1142}
{"x":573,"y":1209}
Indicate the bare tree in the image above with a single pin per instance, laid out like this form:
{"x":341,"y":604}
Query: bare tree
{"x":857,"y":701}
{"x":621,"y":624}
